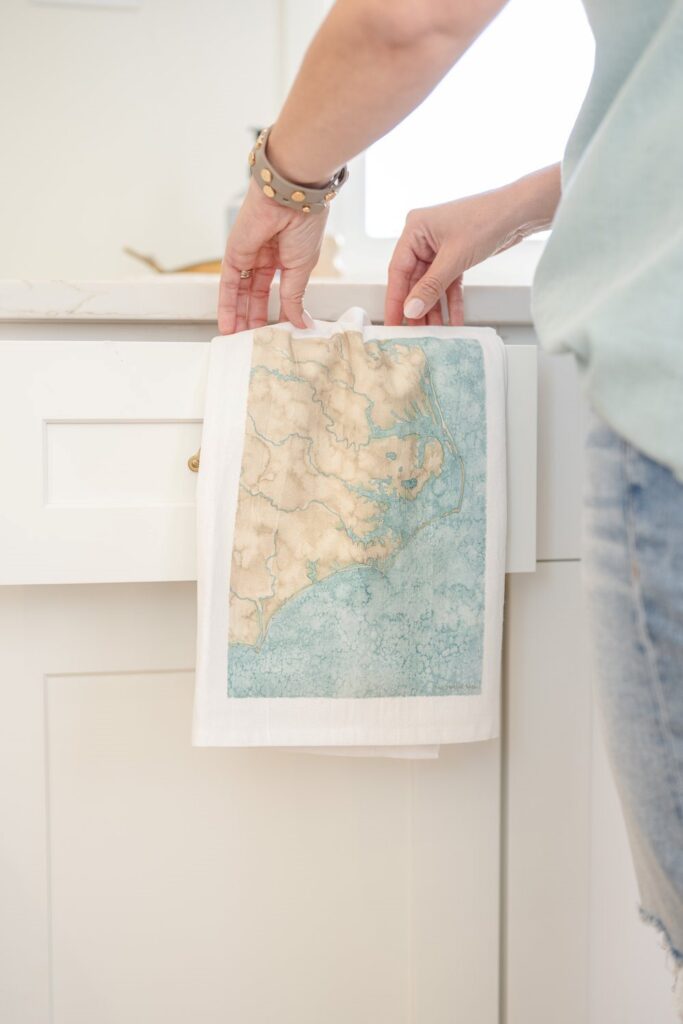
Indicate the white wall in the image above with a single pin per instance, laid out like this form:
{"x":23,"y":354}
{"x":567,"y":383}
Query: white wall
{"x":127,"y":127}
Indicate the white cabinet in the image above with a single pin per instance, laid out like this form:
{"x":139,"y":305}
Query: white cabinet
{"x":144,"y":880}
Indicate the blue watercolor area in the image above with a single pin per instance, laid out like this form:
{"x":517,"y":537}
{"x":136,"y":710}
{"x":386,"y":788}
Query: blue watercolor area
{"x":411,"y":625}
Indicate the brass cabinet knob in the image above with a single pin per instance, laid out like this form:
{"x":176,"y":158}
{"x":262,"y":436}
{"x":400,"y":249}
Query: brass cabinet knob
{"x":193,"y":461}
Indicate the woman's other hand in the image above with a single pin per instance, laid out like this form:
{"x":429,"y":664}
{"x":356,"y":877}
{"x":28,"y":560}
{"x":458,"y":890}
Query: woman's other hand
{"x":439,"y":243}
{"x":267,"y":237}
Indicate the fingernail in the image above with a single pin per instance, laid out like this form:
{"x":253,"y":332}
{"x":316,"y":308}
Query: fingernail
{"x":413,"y":308}
{"x":307,"y":318}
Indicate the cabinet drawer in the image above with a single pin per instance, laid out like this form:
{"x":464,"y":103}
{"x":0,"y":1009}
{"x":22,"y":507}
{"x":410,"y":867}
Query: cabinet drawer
{"x":96,"y":436}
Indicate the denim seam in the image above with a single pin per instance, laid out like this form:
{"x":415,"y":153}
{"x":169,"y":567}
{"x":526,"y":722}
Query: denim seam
{"x":675,"y":782}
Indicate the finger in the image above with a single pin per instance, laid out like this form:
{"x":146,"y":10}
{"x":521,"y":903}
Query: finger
{"x":227,"y":299}
{"x":233,"y":288}
{"x":456,"y":303}
{"x":259,"y":295}
{"x":419,"y":271}
{"x":242,"y":304}
{"x":432,"y":285}
{"x":242,"y":252}
{"x":399,"y":281}
{"x":293,"y":281}
{"x":435,"y":314}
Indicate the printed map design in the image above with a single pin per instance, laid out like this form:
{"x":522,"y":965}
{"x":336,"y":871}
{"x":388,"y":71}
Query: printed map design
{"x":353,"y":499}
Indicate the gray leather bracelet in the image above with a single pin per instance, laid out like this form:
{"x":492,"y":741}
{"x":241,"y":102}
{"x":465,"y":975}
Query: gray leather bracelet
{"x":297,"y":197}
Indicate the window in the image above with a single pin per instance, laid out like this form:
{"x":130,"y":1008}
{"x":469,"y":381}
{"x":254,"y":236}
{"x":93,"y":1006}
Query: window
{"x":505,"y":109}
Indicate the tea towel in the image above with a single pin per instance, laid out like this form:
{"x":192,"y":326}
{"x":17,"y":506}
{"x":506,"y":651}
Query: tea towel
{"x":351,"y":512}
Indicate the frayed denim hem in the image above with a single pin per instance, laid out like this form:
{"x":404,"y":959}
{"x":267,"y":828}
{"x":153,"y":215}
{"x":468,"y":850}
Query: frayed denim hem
{"x":673,"y":955}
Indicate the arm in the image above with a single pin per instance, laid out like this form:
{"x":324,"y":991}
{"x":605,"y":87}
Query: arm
{"x":439,"y":243}
{"x":370,"y":64}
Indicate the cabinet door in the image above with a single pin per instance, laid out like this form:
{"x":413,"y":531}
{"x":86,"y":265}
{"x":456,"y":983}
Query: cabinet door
{"x":146,"y":880}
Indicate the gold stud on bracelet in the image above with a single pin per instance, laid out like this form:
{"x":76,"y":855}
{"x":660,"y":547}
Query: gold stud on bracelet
{"x":305,"y":209}
{"x":252,"y":158}
{"x":268,"y":191}
{"x":329,"y":195}
{"x":266,"y":175}
{"x":298,"y":196}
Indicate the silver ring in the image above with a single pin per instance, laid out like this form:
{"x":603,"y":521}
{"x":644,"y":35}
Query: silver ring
{"x":244,"y":274}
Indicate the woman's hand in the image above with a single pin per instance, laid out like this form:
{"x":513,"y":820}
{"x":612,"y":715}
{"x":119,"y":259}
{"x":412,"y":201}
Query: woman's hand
{"x":266,"y":237}
{"x":437,"y":245}
{"x":440,"y":242}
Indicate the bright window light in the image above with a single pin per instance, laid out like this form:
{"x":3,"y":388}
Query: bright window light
{"x":505,"y":109}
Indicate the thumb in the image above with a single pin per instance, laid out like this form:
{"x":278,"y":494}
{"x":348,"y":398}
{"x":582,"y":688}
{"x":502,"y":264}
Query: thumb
{"x":293,"y":281}
{"x":429,"y":289}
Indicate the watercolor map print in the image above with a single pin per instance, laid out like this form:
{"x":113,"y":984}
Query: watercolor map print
{"x":360,"y":534}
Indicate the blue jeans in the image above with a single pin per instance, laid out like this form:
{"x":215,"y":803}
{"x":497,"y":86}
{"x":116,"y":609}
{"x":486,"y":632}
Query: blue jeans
{"x":633,"y":577}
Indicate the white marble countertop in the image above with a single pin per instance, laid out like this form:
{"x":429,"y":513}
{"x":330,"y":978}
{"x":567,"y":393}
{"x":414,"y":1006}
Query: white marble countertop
{"x":191,"y":298}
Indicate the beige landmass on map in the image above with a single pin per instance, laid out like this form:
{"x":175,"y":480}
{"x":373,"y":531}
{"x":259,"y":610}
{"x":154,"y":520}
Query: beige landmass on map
{"x":308,"y":443}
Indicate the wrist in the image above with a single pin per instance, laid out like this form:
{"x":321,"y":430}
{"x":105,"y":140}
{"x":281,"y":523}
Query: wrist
{"x":287,"y":192}
{"x":257,"y":195}
{"x":283,"y":157}
{"x":533,"y":200}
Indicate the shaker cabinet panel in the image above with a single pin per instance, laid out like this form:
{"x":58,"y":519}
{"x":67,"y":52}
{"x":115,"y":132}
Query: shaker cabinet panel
{"x":96,"y":438}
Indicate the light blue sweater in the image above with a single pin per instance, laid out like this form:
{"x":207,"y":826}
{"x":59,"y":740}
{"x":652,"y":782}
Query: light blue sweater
{"x":609,"y":285}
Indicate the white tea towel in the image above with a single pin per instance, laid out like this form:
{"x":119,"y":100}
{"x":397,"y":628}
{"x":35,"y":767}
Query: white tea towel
{"x":351,"y":509}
